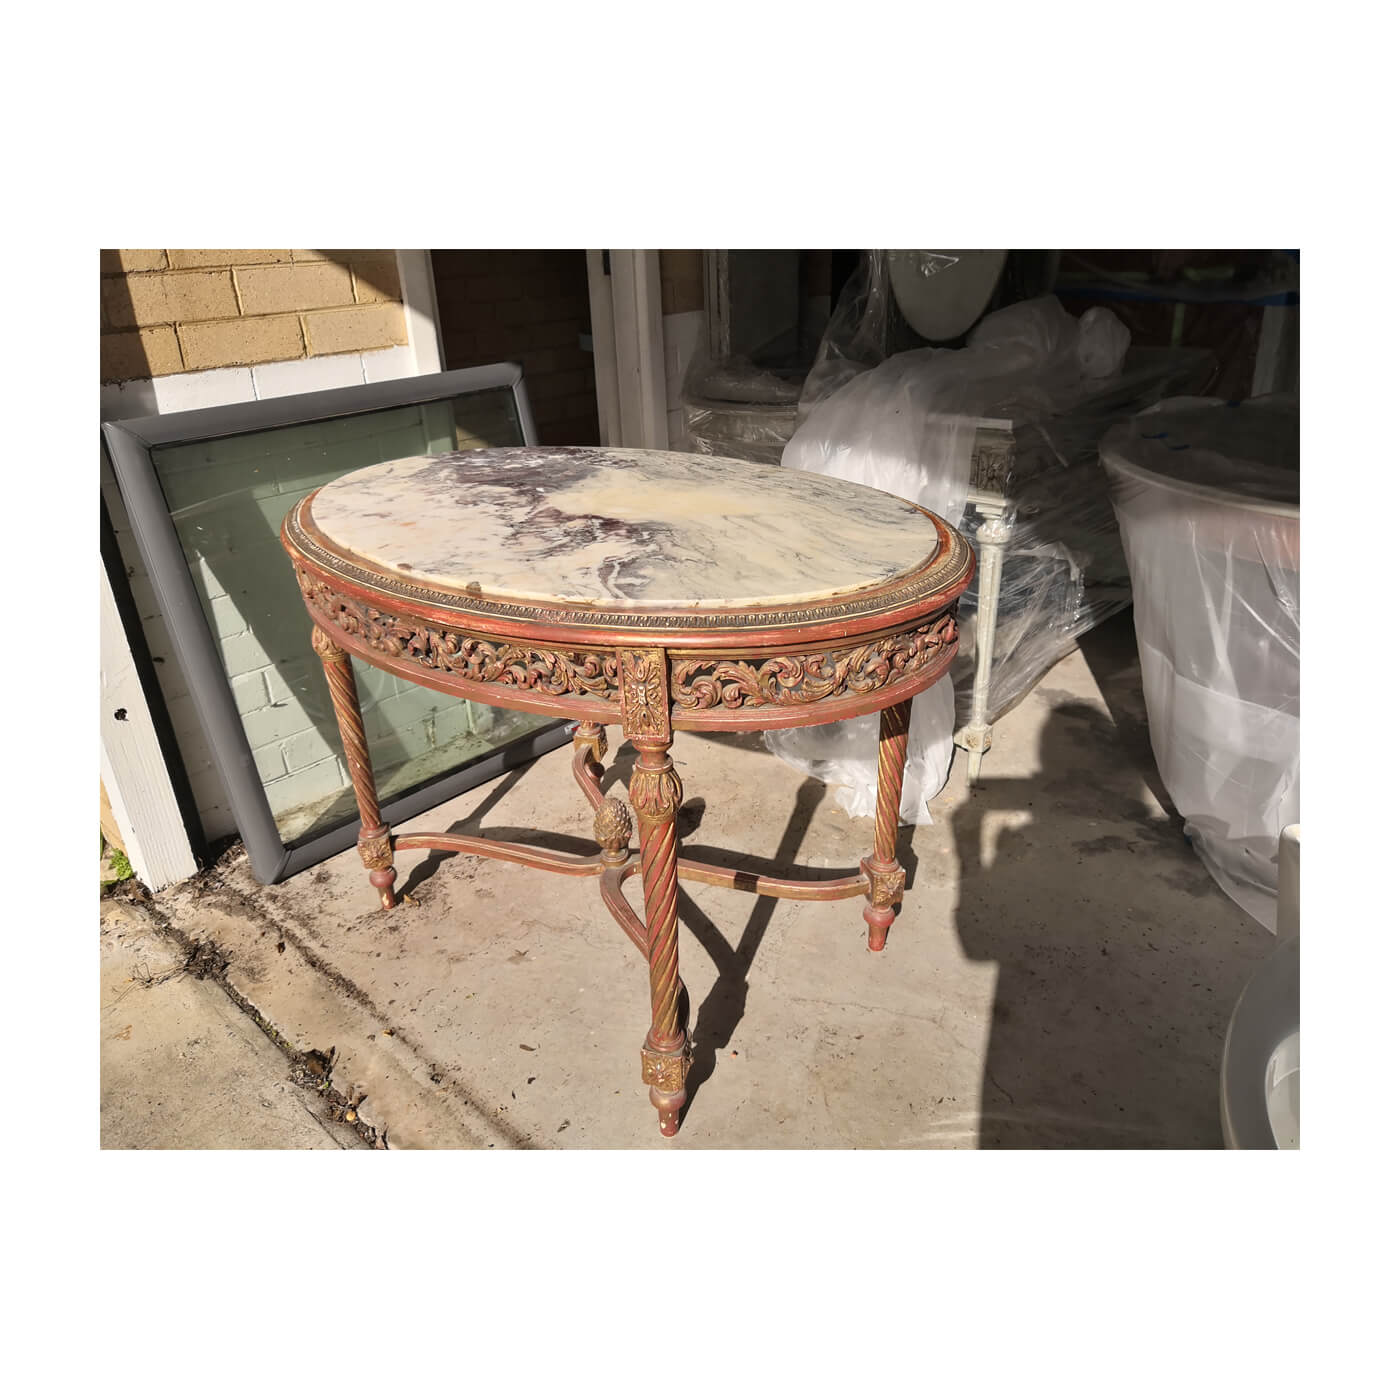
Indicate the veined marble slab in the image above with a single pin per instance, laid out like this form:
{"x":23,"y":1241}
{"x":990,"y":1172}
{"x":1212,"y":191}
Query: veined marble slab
{"x":599,"y":525}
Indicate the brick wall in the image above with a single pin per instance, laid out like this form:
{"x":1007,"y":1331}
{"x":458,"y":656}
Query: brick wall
{"x":178,"y":310}
{"x":261,"y":632}
{"x":530,"y":307}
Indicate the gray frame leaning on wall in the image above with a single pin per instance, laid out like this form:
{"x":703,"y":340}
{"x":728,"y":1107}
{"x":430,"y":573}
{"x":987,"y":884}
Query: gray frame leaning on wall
{"x":129,"y":443}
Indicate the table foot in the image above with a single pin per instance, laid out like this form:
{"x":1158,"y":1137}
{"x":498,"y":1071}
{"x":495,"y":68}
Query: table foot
{"x":886,"y":888}
{"x":665,"y":1071}
{"x":976,"y":738}
{"x":885,"y":874}
{"x":376,"y":848}
{"x":974,"y":765}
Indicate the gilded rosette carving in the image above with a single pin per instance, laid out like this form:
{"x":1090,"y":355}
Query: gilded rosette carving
{"x":376,"y":850}
{"x":645,"y":708}
{"x":665,"y":1071}
{"x":886,"y":886}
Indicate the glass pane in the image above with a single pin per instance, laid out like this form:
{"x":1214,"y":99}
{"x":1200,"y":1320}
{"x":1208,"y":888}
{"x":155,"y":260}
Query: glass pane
{"x":227,"y":498}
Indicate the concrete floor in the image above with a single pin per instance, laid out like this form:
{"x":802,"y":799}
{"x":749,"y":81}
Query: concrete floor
{"x":1061,"y":973}
{"x":182,"y":1064}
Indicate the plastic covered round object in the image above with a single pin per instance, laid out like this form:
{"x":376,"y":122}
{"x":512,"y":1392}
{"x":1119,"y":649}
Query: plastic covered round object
{"x":1244,"y":455}
{"x":1206,"y":496}
{"x":941,"y":294}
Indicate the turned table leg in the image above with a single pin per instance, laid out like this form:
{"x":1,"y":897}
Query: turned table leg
{"x":374,"y":844}
{"x":655,"y":791}
{"x":976,"y":734}
{"x":885,"y":873}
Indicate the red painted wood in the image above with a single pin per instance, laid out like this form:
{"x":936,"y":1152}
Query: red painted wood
{"x":513,"y":851}
{"x":844,"y":888}
{"x":921,"y":601}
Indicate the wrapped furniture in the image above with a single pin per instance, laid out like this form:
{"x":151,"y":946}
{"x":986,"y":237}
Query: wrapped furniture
{"x":1050,"y":566}
{"x":1206,"y":495}
{"x":1001,"y":435}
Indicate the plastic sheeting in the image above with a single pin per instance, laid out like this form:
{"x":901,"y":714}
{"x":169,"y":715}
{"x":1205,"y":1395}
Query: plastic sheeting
{"x":868,"y":323}
{"x":1063,"y":573}
{"x":751,"y":432}
{"x":1064,"y":570}
{"x":1206,"y":496}
{"x":907,"y":426}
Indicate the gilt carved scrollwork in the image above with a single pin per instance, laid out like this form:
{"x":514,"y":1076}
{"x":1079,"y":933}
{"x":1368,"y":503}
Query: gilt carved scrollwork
{"x":643,"y":681}
{"x":886,"y":886}
{"x":539,"y":669}
{"x":702,"y":683}
{"x":323,"y":644}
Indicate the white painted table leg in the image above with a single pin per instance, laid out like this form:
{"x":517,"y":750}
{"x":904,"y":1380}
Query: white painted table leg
{"x":976,"y":734}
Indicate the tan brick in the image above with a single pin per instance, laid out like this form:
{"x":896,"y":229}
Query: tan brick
{"x":226,"y":257}
{"x":355,"y":328}
{"x":158,"y":298}
{"x":340,"y":255}
{"x":292,"y":287}
{"x":132,"y":260}
{"x":250,"y":340}
{"x":377,"y":278}
{"x":140,"y":354}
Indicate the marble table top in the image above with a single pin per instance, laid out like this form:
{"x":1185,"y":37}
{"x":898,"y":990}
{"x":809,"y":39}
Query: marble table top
{"x":599,"y":525}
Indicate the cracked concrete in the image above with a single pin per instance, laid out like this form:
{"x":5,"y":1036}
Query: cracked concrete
{"x":182,"y":1065}
{"x":1061,"y":973}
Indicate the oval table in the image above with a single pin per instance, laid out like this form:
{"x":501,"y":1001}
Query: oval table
{"x":652,"y":590}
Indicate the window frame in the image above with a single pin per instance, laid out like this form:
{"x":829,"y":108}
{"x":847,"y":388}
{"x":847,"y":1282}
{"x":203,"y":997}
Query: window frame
{"x":130,"y":443}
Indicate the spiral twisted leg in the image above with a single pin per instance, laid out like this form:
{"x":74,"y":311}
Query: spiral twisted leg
{"x":884,"y":872}
{"x":374,"y":844}
{"x":655,"y":791}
